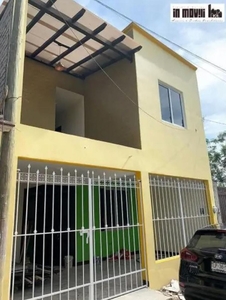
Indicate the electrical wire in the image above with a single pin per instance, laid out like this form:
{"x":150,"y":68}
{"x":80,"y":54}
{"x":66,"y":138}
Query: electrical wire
{"x":216,"y":122}
{"x":112,"y":80}
{"x":118,"y":87}
{"x":198,"y":66}
{"x":160,"y":36}
{"x":177,"y":152}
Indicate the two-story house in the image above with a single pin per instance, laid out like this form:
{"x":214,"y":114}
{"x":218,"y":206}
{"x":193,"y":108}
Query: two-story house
{"x":111,"y":174}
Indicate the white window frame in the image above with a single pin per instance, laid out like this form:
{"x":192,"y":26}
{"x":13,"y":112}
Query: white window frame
{"x":168,"y":87}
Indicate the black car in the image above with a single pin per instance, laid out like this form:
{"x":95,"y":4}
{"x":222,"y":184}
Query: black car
{"x":203,"y":265}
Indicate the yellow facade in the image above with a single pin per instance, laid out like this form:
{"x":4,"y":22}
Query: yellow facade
{"x":118,"y":135}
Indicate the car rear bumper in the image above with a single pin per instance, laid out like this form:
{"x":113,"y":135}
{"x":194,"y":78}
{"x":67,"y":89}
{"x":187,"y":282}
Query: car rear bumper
{"x":202,"y":292}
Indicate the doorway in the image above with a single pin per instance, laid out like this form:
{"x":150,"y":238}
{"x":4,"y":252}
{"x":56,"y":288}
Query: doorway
{"x":69,"y":113}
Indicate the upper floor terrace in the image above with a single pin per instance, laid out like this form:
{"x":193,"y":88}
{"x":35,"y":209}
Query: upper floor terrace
{"x":66,"y":46}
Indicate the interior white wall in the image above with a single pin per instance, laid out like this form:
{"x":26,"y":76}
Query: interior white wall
{"x":70,"y":112}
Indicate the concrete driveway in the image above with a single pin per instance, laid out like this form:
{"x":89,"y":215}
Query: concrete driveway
{"x":144,"y":294}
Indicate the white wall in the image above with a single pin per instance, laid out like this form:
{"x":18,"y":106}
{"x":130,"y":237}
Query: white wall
{"x":70,"y":112}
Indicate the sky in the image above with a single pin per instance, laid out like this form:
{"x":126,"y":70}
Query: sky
{"x":207,"y":40}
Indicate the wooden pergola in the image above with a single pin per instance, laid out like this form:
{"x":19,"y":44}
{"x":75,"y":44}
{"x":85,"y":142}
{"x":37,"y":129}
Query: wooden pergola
{"x":64,"y":32}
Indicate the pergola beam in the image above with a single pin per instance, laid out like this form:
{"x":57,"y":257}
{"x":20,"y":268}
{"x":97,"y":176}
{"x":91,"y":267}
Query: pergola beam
{"x":58,"y":33}
{"x":98,"y":52}
{"x":78,"y":44}
{"x":39,"y":15}
{"x":79,"y":27}
{"x":110,"y":63}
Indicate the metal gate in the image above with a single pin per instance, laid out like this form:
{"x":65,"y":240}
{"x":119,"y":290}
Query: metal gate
{"x":179,"y":208}
{"x":77,"y":236}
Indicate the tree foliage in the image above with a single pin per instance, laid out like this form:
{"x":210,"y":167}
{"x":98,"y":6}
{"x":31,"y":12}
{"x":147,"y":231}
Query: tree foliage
{"x":217,"y":157}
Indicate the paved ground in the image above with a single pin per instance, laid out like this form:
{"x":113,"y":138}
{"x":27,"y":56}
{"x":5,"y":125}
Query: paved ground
{"x":144,"y":294}
{"x":79,"y":277}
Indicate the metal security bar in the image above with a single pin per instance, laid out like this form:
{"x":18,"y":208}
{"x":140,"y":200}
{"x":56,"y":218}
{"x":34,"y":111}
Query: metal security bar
{"x":77,"y":236}
{"x":179,"y":208}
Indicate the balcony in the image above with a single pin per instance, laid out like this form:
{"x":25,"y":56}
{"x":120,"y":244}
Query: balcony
{"x":93,"y":108}
{"x":64,"y":89}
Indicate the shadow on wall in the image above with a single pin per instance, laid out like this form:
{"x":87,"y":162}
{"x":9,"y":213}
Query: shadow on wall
{"x":109,"y":115}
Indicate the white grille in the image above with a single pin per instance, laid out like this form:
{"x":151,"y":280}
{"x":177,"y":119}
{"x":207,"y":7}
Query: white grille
{"x":179,"y":208}
{"x":85,"y":218}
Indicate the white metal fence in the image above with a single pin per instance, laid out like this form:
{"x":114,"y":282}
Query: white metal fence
{"x":179,"y":208}
{"x":77,"y":236}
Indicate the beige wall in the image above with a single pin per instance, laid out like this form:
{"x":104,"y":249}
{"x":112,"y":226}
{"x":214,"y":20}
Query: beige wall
{"x":109,"y":115}
{"x":173,"y":150}
{"x":166,"y":148}
{"x":39,"y":93}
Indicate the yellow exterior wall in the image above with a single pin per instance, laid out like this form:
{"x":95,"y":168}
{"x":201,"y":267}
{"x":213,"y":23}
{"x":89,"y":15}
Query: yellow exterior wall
{"x":166,"y":149}
{"x":39,"y":93}
{"x":173,"y":150}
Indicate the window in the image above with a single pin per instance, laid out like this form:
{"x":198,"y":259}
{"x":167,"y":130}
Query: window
{"x":113,"y":208}
{"x":208,"y":240}
{"x":171,"y":105}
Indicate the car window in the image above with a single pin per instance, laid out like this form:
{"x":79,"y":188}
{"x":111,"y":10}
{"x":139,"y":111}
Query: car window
{"x":208,"y":240}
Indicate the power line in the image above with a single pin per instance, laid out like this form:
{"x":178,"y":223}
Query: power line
{"x":220,"y":123}
{"x":127,"y":96}
{"x":210,"y":73}
{"x":118,"y":87}
{"x":160,"y":36}
{"x":112,"y":80}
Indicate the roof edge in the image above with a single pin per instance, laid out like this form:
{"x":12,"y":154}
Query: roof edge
{"x":136,"y":27}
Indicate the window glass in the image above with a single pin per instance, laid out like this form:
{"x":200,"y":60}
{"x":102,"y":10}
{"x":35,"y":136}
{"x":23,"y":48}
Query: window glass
{"x":209,"y":240}
{"x":171,"y":105}
{"x":177,"y":108}
{"x":165,"y":104}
